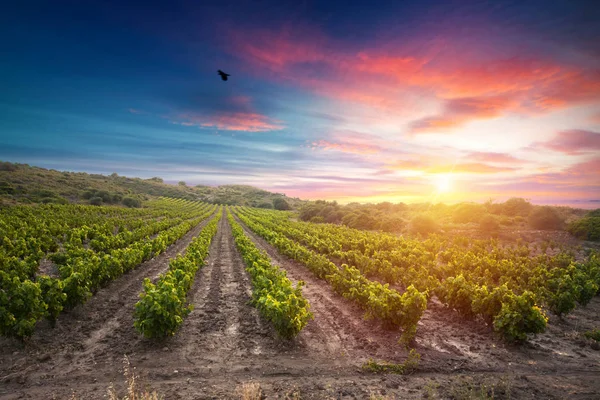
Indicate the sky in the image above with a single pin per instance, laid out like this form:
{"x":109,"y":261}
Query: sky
{"x":402,"y":101}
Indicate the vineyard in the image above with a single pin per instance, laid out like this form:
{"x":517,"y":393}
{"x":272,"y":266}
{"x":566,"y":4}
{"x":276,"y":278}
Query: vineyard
{"x":203,"y":298}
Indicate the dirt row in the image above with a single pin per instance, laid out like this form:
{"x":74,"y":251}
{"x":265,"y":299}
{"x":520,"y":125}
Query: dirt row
{"x":224,"y":344}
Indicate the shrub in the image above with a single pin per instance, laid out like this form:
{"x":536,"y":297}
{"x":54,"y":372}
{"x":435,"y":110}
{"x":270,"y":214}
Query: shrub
{"x":132,"y":202}
{"x":516,"y":206}
{"x":96,"y":201}
{"x":545,"y":218}
{"x":266,"y":204}
{"x":594,"y":213}
{"x":519,"y":316}
{"x":468,"y":213}
{"x":489,"y":224}
{"x":587,"y":228}
{"x":281,"y":204}
{"x":423,"y":225}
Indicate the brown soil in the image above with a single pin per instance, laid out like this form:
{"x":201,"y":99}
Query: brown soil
{"x":224,"y":343}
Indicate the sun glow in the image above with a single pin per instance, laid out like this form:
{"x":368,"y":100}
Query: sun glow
{"x":443,"y":183}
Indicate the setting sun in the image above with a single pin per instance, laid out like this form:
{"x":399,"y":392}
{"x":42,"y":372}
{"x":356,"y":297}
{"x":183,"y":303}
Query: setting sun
{"x":443,"y":183}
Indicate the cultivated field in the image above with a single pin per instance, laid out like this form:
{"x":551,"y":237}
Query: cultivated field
{"x":377,"y":315}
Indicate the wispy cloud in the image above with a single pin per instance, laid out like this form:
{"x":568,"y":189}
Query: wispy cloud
{"x":490,"y":157}
{"x":574,"y":142}
{"x":241,"y":121}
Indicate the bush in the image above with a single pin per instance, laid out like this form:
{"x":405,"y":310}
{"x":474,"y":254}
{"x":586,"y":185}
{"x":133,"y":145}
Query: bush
{"x":594,"y":213}
{"x":545,"y":218}
{"x":587,"y":228}
{"x":423,"y":225}
{"x":96,"y":201}
{"x":489,"y":224}
{"x":519,"y":316}
{"x":132,"y":202}
{"x":516,"y":206}
{"x":468,"y":213}
{"x":266,"y":204}
{"x":281,"y":204}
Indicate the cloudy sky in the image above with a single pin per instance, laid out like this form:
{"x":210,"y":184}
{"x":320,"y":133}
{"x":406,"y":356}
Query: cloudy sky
{"x":354,"y":101}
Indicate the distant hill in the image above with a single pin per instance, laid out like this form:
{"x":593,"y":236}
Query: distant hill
{"x":22,"y":183}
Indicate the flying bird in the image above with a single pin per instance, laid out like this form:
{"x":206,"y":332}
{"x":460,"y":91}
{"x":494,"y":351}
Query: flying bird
{"x":223,"y":75}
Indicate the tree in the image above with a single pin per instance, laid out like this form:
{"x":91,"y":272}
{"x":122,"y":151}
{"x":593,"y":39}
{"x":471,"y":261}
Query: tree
{"x":181,"y":183}
{"x":281,"y":204}
{"x":423,"y":225}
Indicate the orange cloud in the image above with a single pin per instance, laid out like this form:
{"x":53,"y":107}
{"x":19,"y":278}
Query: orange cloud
{"x":428,"y":166}
{"x":490,"y":157}
{"x":470,"y":168}
{"x":462,"y":110}
{"x":235,"y":121}
{"x":575,"y":141}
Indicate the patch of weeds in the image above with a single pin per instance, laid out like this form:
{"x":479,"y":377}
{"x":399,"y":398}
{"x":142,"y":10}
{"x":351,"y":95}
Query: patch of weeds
{"x":594,"y":334}
{"x":134,"y":386}
{"x":431,"y":390}
{"x":408,"y":366}
{"x":468,"y":389}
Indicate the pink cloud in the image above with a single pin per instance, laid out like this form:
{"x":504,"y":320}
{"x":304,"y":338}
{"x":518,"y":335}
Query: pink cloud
{"x":350,"y":142}
{"x":345,"y":147}
{"x":574,"y":142}
{"x":385,"y":79}
{"x":233,"y":121}
{"x":490,"y":157}
{"x":462,"y":110}
{"x":470,"y":168}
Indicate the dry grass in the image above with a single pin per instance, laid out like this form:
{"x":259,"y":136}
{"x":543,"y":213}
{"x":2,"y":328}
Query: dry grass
{"x":250,"y":391}
{"x":134,"y":386}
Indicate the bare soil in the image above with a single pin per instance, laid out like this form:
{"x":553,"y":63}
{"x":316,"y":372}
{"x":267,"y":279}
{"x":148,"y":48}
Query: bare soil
{"x":224,"y":343}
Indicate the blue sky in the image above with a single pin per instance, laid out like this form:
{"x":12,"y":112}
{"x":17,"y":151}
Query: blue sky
{"x":402,"y":101}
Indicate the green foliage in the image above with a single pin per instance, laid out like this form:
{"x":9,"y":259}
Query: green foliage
{"x":545,"y":218}
{"x":272,"y":294}
{"x":96,"y":201}
{"x":53,"y":296}
{"x":468,"y":212}
{"x":515,"y":206}
{"x":281,"y":204}
{"x":131,"y":202}
{"x":519,"y":316}
{"x":97,"y":244}
{"x":423,"y":225}
{"x":21,"y":306}
{"x":587,"y":228}
{"x":162,"y":306}
{"x":408,"y":366}
{"x":489,"y":224}
{"x":593,"y":334}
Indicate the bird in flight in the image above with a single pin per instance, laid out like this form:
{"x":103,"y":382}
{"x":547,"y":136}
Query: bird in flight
{"x":223,"y":75}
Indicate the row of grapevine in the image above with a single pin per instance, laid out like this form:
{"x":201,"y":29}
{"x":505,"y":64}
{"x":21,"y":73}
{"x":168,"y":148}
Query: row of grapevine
{"x":272,"y":292}
{"x":162,"y":306}
{"x":504,"y":285}
{"x":378,"y":300}
{"x":26,"y":296}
